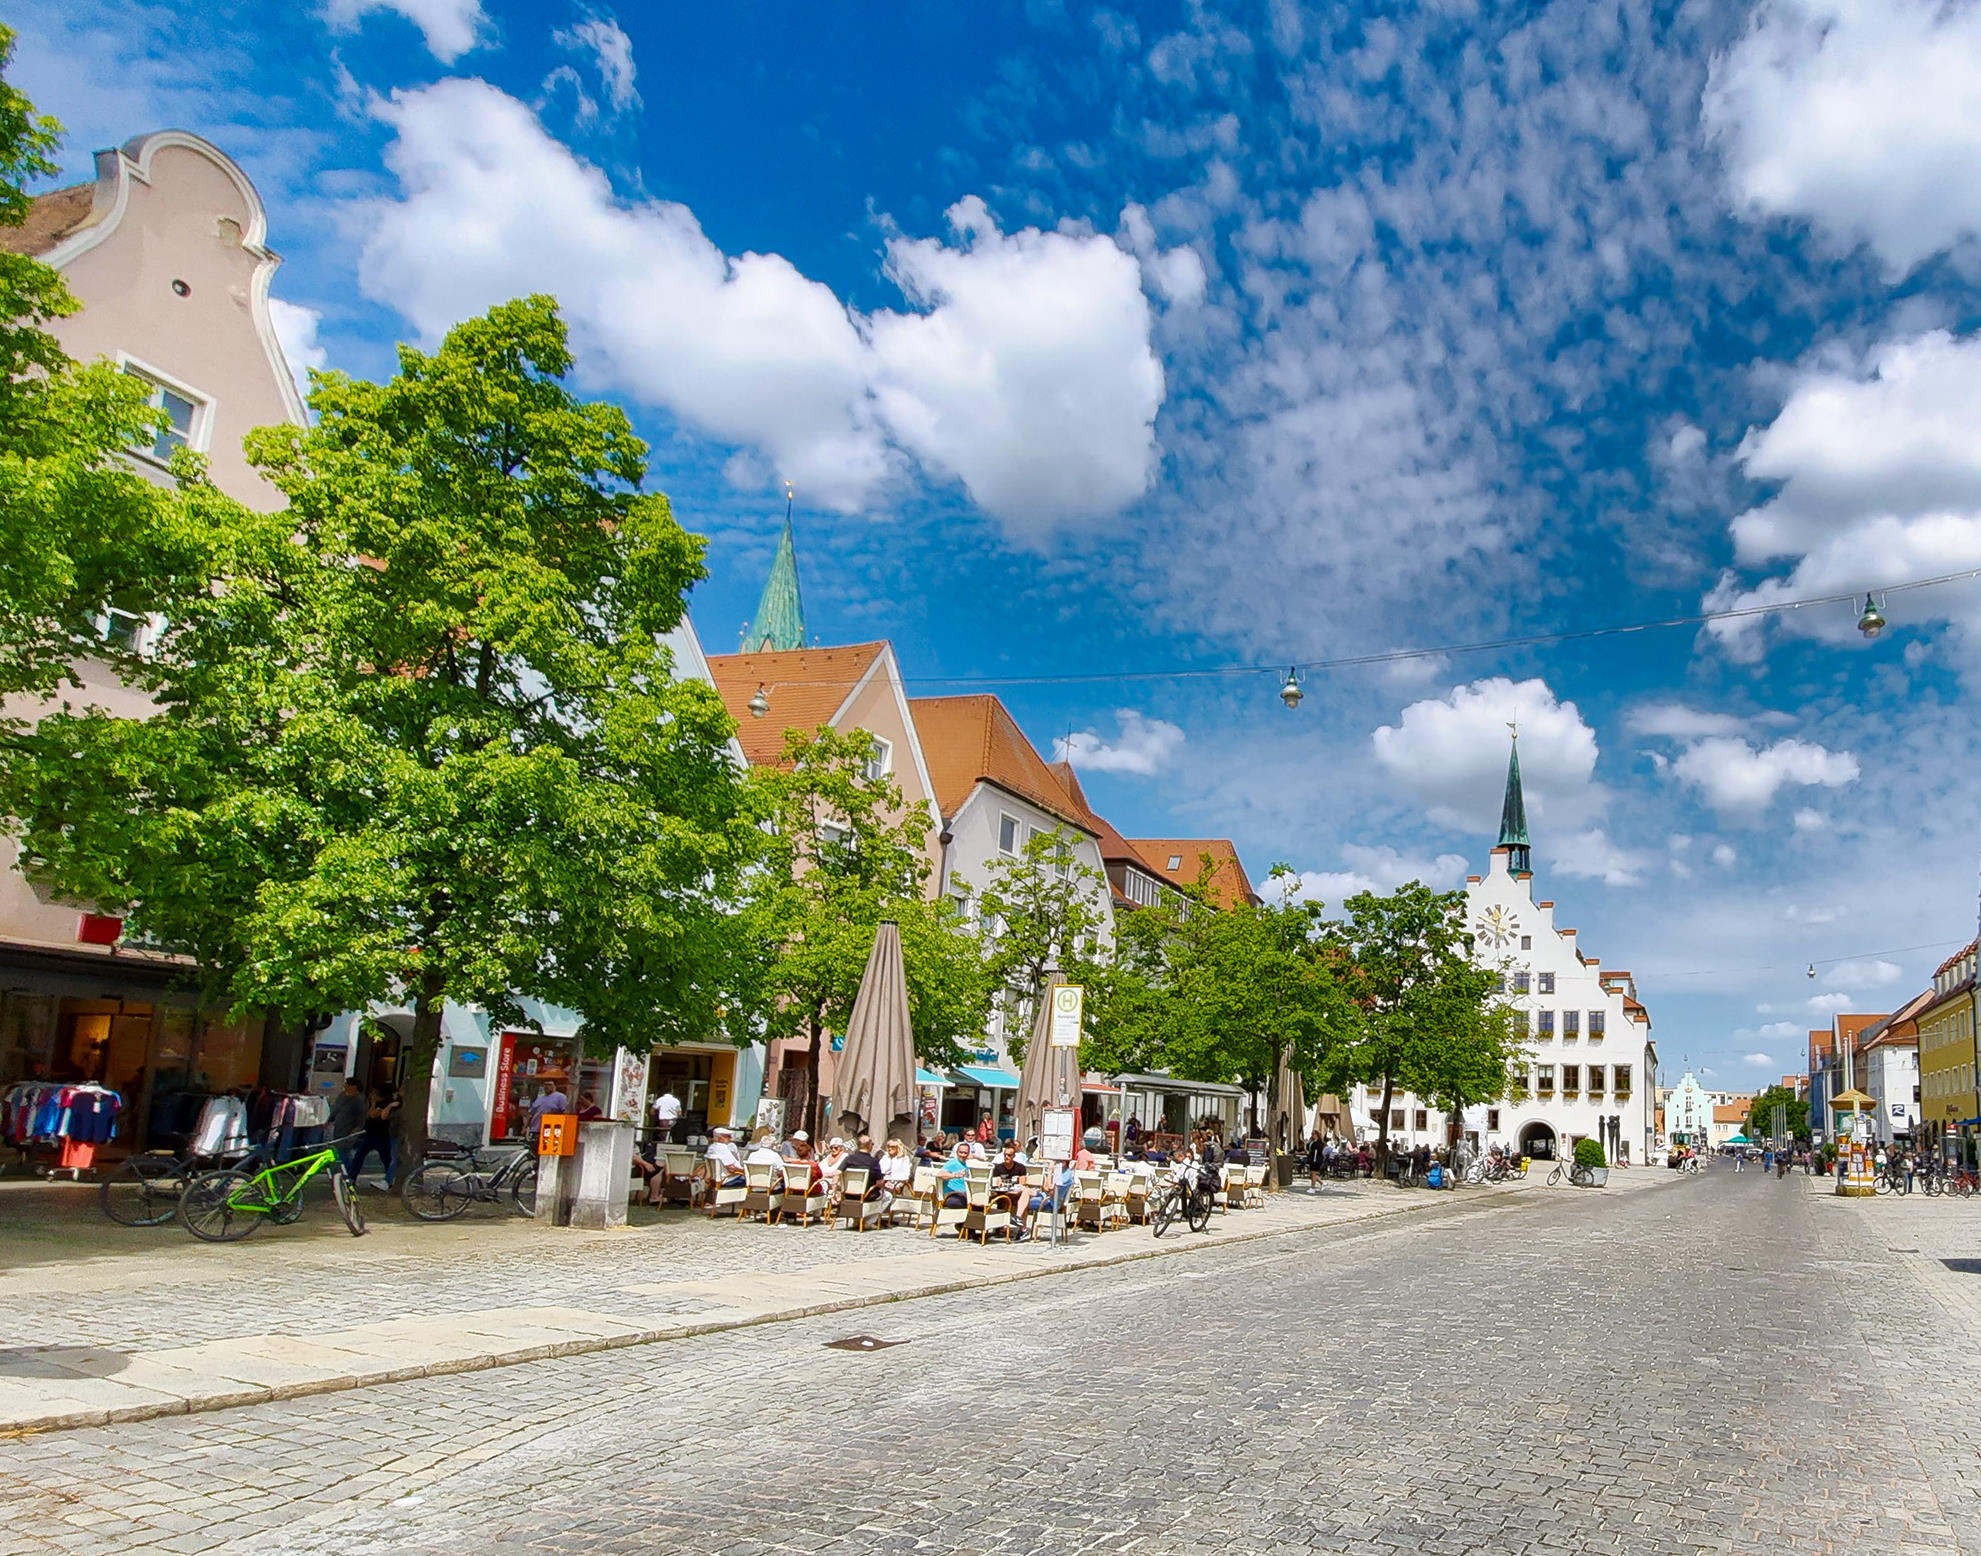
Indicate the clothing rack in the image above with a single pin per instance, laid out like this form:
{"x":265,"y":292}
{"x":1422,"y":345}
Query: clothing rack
{"x":72,"y":1117}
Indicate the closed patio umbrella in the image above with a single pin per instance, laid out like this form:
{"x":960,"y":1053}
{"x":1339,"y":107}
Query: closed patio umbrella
{"x":1289,"y":1105}
{"x":875,"y":1077}
{"x":1050,"y":1077}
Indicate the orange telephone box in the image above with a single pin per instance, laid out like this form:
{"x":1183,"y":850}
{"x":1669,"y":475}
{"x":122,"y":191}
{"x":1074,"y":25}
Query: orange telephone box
{"x":557,"y":1134}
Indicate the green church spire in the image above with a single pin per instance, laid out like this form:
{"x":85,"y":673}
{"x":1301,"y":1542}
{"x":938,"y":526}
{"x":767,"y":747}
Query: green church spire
{"x":780,"y":618}
{"x":1513,"y":816}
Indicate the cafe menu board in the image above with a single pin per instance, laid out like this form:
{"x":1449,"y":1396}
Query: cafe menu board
{"x":1056,"y":1133}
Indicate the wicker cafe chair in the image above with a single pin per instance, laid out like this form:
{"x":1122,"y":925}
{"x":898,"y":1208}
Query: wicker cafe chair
{"x":854,"y":1206}
{"x":987,"y":1211}
{"x":762,"y":1191}
{"x":805,"y":1199}
{"x":917,"y":1200}
{"x":1255,"y":1186}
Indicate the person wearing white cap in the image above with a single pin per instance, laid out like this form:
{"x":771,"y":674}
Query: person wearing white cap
{"x":726,"y":1167}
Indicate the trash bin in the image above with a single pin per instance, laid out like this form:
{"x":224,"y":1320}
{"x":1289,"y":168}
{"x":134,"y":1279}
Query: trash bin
{"x":1283,"y":1168}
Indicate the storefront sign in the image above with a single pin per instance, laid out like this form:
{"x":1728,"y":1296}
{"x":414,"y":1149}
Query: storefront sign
{"x":505,"y":1069}
{"x":770,"y":1115}
{"x":469,"y":1064}
{"x":329,"y":1060}
{"x":1067,"y":1002}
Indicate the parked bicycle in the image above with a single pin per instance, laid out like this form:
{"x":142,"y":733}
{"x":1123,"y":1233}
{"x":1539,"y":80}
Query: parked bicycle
{"x":447,"y":1185}
{"x":1190,"y":1191}
{"x":225,"y":1206}
{"x":1578,"y":1177}
{"x":147,"y":1189}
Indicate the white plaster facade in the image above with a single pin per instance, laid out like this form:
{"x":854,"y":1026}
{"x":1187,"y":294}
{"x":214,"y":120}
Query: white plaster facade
{"x":1688,"y":1111}
{"x":1888,"y":1073}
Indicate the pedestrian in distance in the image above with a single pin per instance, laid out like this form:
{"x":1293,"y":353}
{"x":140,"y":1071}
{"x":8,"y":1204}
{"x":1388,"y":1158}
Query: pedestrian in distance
{"x":347,"y":1120}
{"x":381,"y":1120}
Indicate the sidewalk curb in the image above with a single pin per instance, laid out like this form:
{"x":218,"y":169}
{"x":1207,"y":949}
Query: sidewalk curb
{"x":227,"y":1394}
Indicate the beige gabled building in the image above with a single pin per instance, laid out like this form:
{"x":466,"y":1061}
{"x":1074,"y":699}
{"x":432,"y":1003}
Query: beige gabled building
{"x":166,"y":251}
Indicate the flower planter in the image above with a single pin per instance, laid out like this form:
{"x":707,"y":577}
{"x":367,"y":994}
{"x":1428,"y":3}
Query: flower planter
{"x":1598,"y":1176}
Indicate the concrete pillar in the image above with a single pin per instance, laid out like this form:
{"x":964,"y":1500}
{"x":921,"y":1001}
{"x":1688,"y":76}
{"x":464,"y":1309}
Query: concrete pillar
{"x":589,"y":1188}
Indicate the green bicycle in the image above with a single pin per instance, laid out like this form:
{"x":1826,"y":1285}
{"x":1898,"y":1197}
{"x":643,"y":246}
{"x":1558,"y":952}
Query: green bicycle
{"x":223,"y":1207}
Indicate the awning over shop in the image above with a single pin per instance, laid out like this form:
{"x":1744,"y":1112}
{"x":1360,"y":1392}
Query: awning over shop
{"x":1181,"y":1088}
{"x":988,"y":1076}
{"x":932,"y":1081}
{"x":1098,"y":1088}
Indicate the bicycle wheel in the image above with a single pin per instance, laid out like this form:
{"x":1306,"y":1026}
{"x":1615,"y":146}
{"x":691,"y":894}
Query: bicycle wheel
{"x":523,"y":1191}
{"x":1882,"y":1185}
{"x":223,"y":1207}
{"x":1555,"y":1176}
{"x":439,"y":1191}
{"x":1198,"y":1210}
{"x":1163,"y":1213}
{"x":143,"y":1193}
{"x":346,"y":1194}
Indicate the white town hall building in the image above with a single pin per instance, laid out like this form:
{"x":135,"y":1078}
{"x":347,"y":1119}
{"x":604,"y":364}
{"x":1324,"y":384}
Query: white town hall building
{"x":1591,"y":1069}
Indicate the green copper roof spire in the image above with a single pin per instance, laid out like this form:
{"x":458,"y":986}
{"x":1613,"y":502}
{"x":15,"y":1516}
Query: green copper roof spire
{"x":780,"y":618}
{"x":1513,"y":816}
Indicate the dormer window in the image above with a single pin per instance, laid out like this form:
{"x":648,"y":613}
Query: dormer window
{"x":1175,"y":862}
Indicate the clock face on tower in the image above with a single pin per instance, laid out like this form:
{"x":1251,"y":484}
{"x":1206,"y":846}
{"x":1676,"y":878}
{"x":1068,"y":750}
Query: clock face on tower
{"x":1497,"y":927}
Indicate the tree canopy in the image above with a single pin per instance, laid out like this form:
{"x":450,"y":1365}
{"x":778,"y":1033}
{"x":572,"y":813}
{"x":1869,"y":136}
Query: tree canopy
{"x":1761,"y":1114}
{"x":417,"y":738}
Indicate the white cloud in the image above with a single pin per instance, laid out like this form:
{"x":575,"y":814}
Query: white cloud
{"x":1879,"y":482}
{"x":1795,"y":914}
{"x":1740,"y":781}
{"x":1376,"y":869}
{"x":1028,"y":374}
{"x":611,"y":53}
{"x":295,"y":328}
{"x":1591,"y":855}
{"x":1758,"y":1059}
{"x":1724,"y":855}
{"x":1029,"y":377}
{"x":451,"y":27}
{"x":1175,"y":275}
{"x":1680,"y":722}
{"x":1862,"y":115}
{"x":1144,"y":746}
{"x":1808,"y":820}
{"x":1875,"y":974}
{"x":1830,"y":1004}
{"x":1452,"y":753}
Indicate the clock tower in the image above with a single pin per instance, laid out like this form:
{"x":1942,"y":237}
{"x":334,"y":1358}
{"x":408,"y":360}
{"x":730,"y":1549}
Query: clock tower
{"x":1513,"y":818}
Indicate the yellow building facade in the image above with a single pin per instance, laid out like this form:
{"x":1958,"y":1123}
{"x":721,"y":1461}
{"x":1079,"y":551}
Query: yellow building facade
{"x":1949,"y":1099}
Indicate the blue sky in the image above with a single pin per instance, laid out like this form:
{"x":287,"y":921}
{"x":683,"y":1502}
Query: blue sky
{"x":1194,"y":335}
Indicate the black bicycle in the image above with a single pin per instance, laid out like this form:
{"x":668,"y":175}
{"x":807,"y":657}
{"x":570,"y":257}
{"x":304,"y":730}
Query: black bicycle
{"x":445,"y":1186}
{"x":147,"y":1189}
{"x":1190,"y":1193}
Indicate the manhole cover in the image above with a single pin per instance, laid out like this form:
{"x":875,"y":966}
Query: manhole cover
{"x":861,"y":1342}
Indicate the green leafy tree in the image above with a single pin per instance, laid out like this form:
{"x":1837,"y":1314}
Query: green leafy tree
{"x":1420,"y":1022}
{"x":417,"y":739}
{"x":1042,"y":911}
{"x":79,"y":526}
{"x":845,"y":852}
{"x":1473,"y":1049}
{"x":1761,"y":1114}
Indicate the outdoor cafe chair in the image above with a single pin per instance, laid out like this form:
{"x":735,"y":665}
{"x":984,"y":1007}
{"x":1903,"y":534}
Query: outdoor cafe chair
{"x":805,"y":1198}
{"x":762,"y":1189}
{"x":729,"y":1199}
{"x":942,"y":1215}
{"x":1141,"y":1180}
{"x":677,"y":1175}
{"x":854,"y":1206}
{"x":1231,"y":1188}
{"x":917,"y":1200}
{"x":1089,"y":1201}
{"x":1255,"y":1186}
{"x":987,"y":1212}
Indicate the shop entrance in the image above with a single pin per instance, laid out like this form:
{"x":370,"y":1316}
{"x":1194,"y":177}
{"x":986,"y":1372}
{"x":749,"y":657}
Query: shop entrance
{"x":1538,"y":1141}
{"x":704,"y":1081}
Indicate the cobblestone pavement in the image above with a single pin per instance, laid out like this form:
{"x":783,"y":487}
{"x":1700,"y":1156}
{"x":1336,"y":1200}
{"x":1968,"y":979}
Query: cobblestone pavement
{"x":1728,"y":1364}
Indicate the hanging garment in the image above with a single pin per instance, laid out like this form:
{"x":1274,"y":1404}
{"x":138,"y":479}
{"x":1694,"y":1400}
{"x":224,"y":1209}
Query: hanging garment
{"x":222,"y":1128}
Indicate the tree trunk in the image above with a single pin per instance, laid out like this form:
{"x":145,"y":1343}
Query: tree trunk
{"x":811,"y":1110}
{"x":416,"y":1073}
{"x":1382,"y":1127}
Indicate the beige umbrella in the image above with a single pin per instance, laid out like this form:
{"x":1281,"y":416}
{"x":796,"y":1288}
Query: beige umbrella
{"x":874,"y":1080}
{"x":1290,"y":1106}
{"x":1050,"y":1077}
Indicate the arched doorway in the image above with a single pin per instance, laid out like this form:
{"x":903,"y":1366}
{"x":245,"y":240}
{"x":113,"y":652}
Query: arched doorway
{"x":1538,"y":1140}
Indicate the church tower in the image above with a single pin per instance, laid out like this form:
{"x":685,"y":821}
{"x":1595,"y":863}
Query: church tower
{"x":1513,"y":818}
{"x":780,"y":620}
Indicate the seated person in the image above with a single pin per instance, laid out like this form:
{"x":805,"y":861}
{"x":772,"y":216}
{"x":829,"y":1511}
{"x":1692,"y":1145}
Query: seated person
{"x":862,"y":1159}
{"x":897,"y":1168}
{"x":798,"y":1148}
{"x":764,"y":1154}
{"x":1008,"y":1177}
{"x":588,"y":1108}
{"x":725,"y":1166}
{"x":955,"y":1180}
{"x":1238,"y":1156}
{"x":829,"y":1164}
{"x":654,"y":1174}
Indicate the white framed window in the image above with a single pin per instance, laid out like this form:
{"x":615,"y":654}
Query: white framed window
{"x":833,"y":835}
{"x":189,"y":412}
{"x":1007,"y":834}
{"x":1175,"y":862}
{"x":880,"y":760}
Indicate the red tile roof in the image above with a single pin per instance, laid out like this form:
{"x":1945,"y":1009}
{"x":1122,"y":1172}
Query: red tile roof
{"x":974,"y":739}
{"x":1229,"y":884}
{"x":806,"y":687}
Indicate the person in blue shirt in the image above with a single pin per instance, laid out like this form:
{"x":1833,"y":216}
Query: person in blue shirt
{"x":955,"y":1179}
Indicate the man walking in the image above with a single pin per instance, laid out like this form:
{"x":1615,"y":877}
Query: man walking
{"x":347,"y":1119}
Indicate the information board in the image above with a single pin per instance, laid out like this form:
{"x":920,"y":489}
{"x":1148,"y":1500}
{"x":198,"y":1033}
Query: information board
{"x":1056,"y":1133}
